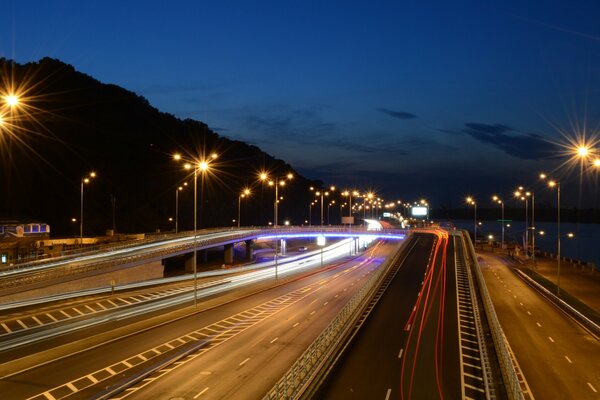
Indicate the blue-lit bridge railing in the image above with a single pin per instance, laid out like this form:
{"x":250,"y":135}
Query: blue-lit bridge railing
{"x":153,"y":249}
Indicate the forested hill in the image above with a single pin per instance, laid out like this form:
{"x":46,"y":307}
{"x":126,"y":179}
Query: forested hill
{"x":69,"y":124}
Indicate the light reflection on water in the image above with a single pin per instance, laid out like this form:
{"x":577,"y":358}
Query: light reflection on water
{"x":584,"y":246}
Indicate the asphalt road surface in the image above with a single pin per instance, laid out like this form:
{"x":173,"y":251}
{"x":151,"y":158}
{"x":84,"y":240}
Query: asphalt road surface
{"x":401,"y":353}
{"x":559,"y":359}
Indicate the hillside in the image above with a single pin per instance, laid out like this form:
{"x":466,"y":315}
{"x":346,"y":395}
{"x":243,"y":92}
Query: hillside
{"x":71,"y":124}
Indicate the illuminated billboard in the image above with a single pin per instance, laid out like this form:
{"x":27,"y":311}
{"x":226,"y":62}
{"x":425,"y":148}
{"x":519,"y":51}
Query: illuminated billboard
{"x":418,"y":211}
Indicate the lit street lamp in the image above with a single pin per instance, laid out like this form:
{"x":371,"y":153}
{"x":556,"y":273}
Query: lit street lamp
{"x":84,"y":180}
{"x":552,"y":184}
{"x":350,"y":194}
{"x":499,"y":201}
{"x":470,"y":200}
{"x":245,"y":193}
{"x":276,"y":182}
{"x":322,"y":193}
{"x":202,"y":166}
{"x":179,"y":189}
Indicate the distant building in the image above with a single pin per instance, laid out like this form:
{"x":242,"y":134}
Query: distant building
{"x":19,"y":239}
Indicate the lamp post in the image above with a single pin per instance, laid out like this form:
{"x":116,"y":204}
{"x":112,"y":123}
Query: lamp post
{"x":553,"y":184}
{"x":179,"y":189}
{"x":470,"y":200}
{"x":200,"y":165}
{"x":276,"y":182}
{"x":245,"y":193}
{"x":350,"y":193}
{"x":499,"y":201}
{"x":322,"y":193}
{"x":84,"y":180}
{"x":332,"y":202}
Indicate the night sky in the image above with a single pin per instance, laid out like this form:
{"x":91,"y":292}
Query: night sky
{"x":435,"y":99}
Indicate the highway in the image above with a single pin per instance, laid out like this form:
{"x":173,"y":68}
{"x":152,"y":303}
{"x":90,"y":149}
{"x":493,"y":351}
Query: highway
{"x":409,"y":346}
{"x":263,"y":332}
{"x":56,"y":324}
{"x":559,"y":359}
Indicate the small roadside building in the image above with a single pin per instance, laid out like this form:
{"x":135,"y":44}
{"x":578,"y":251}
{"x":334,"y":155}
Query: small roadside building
{"x":19,"y":239}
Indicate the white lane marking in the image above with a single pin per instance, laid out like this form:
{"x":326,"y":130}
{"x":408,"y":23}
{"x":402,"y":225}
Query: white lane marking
{"x":312,"y":312}
{"x":388,"y":394}
{"x":400,"y":354}
{"x":201,"y":393}
{"x":244,"y":362}
{"x":521,"y":303}
{"x":325,"y":303}
{"x":52,"y":317}
{"x":514,"y":296}
{"x":538,"y":324}
{"x":78,"y":310}
{"x":22,"y":324}
{"x":274,"y":340}
{"x":336,"y":296}
{"x":296,"y":324}
{"x":528,"y":313}
{"x":550,"y":337}
{"x":407,"y":327}
{"x":6,"y":328}
{"x":569,"y":360}
{"x":37,"y":320}
{"x":592,"y":387}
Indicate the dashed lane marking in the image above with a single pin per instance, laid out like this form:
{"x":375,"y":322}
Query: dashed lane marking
{"x":274,"y":340}
{"x":244,"y":362}
{"x":201,"y":393}
{"x":592,"y":387}
{"x":538,"y":324}
{"x":569,"y":360}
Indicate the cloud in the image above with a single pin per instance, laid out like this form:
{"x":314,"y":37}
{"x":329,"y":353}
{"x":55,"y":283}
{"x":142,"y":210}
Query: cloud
{"x":397,"y":114}
{"x":529,"y":146}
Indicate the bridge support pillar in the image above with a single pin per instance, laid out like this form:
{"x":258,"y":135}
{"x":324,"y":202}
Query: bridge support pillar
{"x":189,"y":262}
{"x":282,"y":247}
{"x":249,"y":250}
{"x":228,"y":256}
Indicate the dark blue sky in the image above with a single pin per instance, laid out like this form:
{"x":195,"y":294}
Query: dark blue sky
{"x":393,"y":95}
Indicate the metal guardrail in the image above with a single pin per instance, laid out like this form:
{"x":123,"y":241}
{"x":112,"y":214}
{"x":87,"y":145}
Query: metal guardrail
{"x":512,"y":383}
{"x":299,"y":376}
{"x":566,"y":307}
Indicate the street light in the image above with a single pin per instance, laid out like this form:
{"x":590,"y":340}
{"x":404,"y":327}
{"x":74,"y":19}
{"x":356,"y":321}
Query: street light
{"x":276,"y":182}
{"x":203,"y":166}
{"x":470,"y":200}
{"x":332,"y":202}
{"x":553,"y":184}
{"x":179,"y":189}
{"x":322,"y":193}
{"x":499,"y":201}
{"x":245,"y":193}
{"x":84,"y":180}
{"x":524,"y":195}
{"x":350,"y":194}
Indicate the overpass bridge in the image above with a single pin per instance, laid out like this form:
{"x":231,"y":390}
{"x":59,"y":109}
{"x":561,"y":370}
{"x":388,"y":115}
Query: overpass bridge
{"x":150,"y":254}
